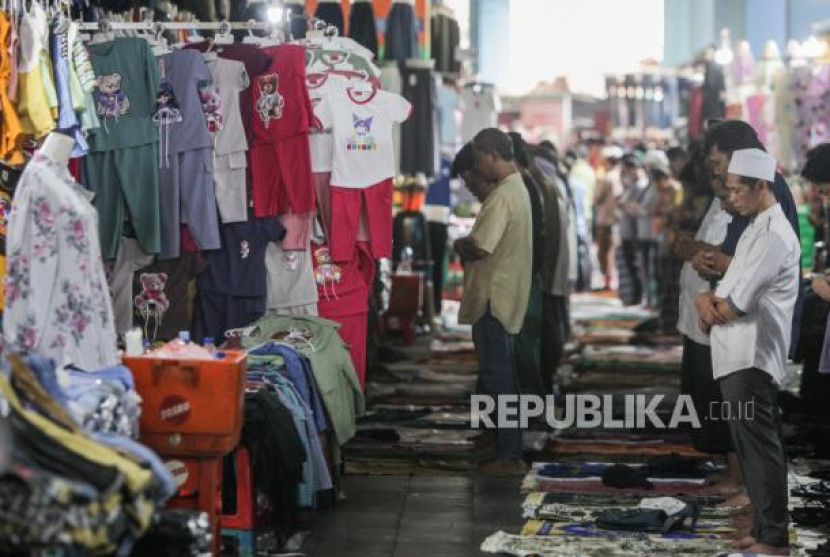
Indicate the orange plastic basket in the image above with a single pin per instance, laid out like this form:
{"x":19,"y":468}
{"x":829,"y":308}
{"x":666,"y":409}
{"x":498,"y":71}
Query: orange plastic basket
{"x":191,"y":407}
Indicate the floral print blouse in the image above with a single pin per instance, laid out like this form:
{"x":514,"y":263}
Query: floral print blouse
{"x":57,"y":301}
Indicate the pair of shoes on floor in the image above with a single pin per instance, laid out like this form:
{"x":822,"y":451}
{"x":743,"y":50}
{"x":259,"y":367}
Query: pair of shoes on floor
{"x":503,"y":467}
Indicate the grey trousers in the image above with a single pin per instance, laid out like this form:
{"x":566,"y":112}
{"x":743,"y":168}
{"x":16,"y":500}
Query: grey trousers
{"x":188,"y":196}
{"x":755,"y":434}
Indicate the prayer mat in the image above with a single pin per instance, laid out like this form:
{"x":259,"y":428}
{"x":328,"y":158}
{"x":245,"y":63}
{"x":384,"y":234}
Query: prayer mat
{"x":595,"y":485}
{"x":574,"y":546}
{"x":597,"y":448}
{"x":588,"y":529}
{"x":544,"y":506}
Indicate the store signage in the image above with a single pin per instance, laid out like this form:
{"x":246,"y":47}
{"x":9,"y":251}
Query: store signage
{"x":175,"y":409}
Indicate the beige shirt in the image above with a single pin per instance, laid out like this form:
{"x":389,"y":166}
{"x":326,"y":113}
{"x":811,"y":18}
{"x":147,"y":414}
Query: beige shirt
{"x":502,"y":279}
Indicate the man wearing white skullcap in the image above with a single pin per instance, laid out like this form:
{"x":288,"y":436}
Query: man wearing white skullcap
{"x":749,"y":319}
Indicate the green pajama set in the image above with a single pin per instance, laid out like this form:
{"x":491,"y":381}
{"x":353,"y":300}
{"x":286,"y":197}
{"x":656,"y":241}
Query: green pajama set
{"x":122,"y":167}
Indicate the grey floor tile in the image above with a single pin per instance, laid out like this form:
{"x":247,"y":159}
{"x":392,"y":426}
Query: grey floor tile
{"x":437,"y":549}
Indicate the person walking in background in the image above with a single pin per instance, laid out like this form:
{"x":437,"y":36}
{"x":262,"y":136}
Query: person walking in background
{"x":607,"y":193}
{"x":498,"y":258}
{"x":631,"y":275}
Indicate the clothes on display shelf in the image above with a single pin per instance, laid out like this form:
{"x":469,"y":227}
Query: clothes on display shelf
{"x":446,"y":37}
{"x":390,"y":80}
{"x":291,"y":282}
{"x":277,"y":457}
{"x":481,"y":109}
{"x":362,"y":25}
{"x":420,"y":135}
{"x":714,"y":90}
{"x":256,"y":62}
{"x":322,"y":89}
{"x":185,"y":153}
{"x":161,"y":297}
{"x":230,"y":164}
{"x":57,"y":301}
{"x":450,"y":108}
{"x":297,"y":20}
{"x":283,"y":117}
{"x":10,"y":126}
{"x":315,"y":476}
{"x":333,"y":369}
{"x":362,"y":120}
{"x":8,"y":182}
{"x":122,"y":166}
{"x":88,"y":484}
{"x":331,"y":11}
{"x":233,"y":288}
{"x":401,"y":32}
{"x":343,"y":291}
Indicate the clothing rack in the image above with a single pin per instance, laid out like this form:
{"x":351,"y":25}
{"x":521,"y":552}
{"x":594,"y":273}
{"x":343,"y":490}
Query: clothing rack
{"x":157,"y":26}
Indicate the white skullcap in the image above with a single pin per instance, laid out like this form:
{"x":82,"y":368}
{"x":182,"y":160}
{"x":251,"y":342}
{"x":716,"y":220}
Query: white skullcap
{"x":656,"y":160}
{"x":612,"y":152}
{"x":753,"y":163}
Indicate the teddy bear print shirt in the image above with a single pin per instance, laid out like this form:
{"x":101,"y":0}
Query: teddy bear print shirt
{"x":282,"y":108}
{"x":180,"y":114}
{"x":222,"y":109}
{"x":125,"y":96}
{"x":362,"y":121}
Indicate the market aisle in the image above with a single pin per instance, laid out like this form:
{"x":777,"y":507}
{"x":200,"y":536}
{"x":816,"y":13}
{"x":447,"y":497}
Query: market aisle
{"x":408,"y":516}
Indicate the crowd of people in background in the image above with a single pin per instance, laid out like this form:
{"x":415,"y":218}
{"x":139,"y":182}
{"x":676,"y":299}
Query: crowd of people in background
{"x":707,"y":236}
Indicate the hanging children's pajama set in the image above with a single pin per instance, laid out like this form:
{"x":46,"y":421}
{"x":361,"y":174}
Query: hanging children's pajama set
{"x":232,"y":291}
{"x":224,"y":119}
{"x":122,"y":165}
{"x":363,"y":166}
{"x":280,"y":158}
{"x":185,"y":153}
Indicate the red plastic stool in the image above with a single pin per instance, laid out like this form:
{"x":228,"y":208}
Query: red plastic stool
{"x":201,"y":489}
{"x":245,"y":516}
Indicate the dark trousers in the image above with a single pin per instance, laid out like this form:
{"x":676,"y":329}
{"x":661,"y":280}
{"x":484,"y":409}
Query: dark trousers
{"x":760,"y":451}
{"x":648,"y":276}
{"x":605,"y":252}
{"x":696,"y":380}
{"x":528,"y":344}
{"x":555,"y":331}
{"x":438,"y":241}
{"x":632,"y":270}
{"x":497,"y":375}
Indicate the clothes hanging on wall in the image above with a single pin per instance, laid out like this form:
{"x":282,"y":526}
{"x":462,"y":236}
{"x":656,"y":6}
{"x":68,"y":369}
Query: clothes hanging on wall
{"x":446,"y":37}
{"x":57,"y":302}
{"x":362,"y":25}
{"x":331,"y":12}
{"x":401,"y":32}
{"x":481,"y":109}
{"x":420,"y":134}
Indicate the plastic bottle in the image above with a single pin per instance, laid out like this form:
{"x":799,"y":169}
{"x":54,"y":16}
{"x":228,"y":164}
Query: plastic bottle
{"x":184,"y":338}
{"x":209,"y":345}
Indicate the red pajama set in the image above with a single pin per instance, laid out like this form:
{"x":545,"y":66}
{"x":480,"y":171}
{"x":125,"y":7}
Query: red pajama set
{"x":282,"y":116}
{"x":361,"y":119}
{"x":343,"y":292}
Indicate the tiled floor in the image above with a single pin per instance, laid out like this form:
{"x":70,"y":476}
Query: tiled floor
{"x":416,"y":516}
